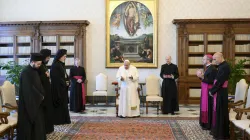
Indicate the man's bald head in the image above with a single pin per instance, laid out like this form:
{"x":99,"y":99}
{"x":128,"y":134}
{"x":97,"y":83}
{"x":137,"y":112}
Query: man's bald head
{"x":168,"y":59}
{"x":126,"y":64}
{"x":218,"y":58}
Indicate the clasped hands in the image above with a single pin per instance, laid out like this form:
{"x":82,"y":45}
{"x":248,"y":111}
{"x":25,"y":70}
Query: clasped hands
{"x":168,"y":76}
{"x":210,"y":94}
{"x":131,"y":78}
{"x":79,"y":80}
{"x":47,"y":73}
{"x":67,"y":83}
{"x":200,"y":73}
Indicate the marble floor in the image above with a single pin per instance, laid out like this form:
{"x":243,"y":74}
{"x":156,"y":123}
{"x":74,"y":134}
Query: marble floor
{"x":103,"y":110}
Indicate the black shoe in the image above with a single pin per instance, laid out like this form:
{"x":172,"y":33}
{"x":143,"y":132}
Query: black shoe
{"x":172,"y":114}
{"x":203,"y":128}
{"x":211,"y":133}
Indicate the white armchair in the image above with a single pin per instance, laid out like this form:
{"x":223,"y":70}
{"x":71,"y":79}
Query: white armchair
{"x":101,"y":86}
{"x":9,"y":103}
{"x":240,"y":95}
{"x":241,"y":124}
{"x":5,"y":127}
{"x":8,"y":96}
{"x":153,"y":91}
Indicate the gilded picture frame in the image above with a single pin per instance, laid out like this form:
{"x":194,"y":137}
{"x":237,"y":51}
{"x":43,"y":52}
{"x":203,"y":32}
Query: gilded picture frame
{"x":131,"y":33}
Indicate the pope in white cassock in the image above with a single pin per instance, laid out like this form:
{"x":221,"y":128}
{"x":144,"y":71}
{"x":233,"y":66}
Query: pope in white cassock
{"x":129,"y":102}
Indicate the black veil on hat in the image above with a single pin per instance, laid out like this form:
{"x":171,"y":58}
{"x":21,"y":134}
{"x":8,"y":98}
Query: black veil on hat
{"x":59,"y":54}
{"x":36,"y":57}
{"x":45,"y":53}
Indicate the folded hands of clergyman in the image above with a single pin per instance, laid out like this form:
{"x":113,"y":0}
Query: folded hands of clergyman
{"x":47,"y":73}
{"x":169,"y":76}
{"x":79,"y":80}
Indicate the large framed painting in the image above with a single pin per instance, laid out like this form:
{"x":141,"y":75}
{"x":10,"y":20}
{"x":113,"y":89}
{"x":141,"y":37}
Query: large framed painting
{"x":131,"y":32}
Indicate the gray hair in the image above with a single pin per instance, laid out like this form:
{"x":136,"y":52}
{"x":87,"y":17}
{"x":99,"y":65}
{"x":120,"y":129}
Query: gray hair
{"x":127,"y":61}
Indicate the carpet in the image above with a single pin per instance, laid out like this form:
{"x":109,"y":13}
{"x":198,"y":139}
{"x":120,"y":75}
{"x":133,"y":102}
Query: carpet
{"x":109,"y":128}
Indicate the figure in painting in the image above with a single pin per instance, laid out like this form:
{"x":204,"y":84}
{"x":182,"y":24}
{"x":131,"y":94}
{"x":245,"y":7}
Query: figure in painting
{"x":131,"y":19}
{"x":146,"y":19}
{"x":146,"y":42}
{"x":116,"y":53}
{"x":146,"y":55}
{"x":117,"y":20}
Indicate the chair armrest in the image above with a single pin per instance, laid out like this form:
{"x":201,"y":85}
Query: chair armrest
{"x":115,"y":83}
{"x":242,"y":110}
{"x":238,"y":103}
{"x":3,"y":117}
{"x":9,"y":106}
{"x":231,"y":99}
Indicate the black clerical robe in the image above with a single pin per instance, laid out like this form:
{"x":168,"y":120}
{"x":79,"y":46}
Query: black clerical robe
{"x":76,"y":94}
{"x":30,"y":125}
{"x":206,"y":107}
{"x":48,"y":104}
{"x":169,"y":88}
{"x":59,"y":89}
{"x":220,"y":92}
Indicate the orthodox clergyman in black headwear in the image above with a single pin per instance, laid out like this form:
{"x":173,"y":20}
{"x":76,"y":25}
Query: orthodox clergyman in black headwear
{"x":45,"y":79}
{"x":30,"y":124}
{"x":59,"y":88}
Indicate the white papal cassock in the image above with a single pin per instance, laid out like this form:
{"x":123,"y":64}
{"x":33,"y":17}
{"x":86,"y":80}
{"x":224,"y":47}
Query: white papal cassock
{"x":129,"y":102}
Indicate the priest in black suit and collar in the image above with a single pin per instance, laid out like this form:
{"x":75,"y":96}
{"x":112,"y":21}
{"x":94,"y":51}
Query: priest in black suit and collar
{"x":169,"y":73}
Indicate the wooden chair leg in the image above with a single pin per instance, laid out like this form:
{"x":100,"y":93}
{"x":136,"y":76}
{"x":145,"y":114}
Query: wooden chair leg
{"x":9,"y":135}
{"x":232,"y":134}
{"x":161,"y":105}
{"x":146,"y":107}
{"x":106,"y":100}
{"x":143,"y":101}
{"x":244,"y":135}
{"x":12,"y":133}
{"x":158,"y":103}
{"x":116,"y":110}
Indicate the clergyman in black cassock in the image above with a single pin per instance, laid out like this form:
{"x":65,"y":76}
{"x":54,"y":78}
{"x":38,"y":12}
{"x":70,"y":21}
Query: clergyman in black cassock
{"x":206,"y":101}
{"x":220,"y":94}
{"x":59,"y":88}
{"x":45,"y":79}
{"x":30,"y":125}
{"x":77,"y":90}
{"x":169,"y":73}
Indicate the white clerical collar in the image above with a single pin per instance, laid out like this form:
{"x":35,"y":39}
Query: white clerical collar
{"x":208,"y":64}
